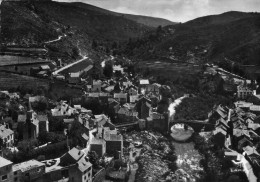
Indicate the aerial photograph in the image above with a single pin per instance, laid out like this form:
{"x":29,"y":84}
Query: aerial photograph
{"x":129,"y":90}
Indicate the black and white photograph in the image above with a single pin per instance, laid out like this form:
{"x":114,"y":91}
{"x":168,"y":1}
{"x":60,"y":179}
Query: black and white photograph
{"x":129,"y":90}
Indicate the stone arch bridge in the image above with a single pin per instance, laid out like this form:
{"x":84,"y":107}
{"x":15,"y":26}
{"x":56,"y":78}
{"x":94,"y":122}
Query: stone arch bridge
{"x":196,"y":125}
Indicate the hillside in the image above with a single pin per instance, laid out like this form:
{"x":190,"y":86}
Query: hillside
{"x":231,"y":35}
{"x":149,"y":21}
{"x":33,"y":23}
{"x":144,"y":20}
{"x":46,"y":20}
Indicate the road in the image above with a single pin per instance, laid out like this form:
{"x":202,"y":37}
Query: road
{"x":68,"y":66}
{"x":56,"y":40}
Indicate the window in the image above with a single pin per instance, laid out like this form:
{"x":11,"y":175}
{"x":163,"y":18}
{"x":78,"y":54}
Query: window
{"x":4,"y":177}
{"x":15,"y":173}
{"x":27,"y":174}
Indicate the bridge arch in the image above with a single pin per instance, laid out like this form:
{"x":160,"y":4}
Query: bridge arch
{"x":197,"y":126}
{"x":181,"y":132}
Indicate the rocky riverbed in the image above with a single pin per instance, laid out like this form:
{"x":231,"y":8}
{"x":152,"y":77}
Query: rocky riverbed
{"x":162,"y":159}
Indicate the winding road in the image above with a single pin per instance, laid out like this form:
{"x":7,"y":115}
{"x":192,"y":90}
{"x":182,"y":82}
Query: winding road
{"x":56,"y":40}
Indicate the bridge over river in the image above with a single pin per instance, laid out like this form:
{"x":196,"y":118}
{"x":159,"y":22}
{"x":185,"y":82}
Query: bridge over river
{"x":196,"y":125}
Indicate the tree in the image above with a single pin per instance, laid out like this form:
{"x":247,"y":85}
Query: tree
{"x":94,"y":44}
{"x":108,"y":69}
{"x":159,"y":30}
{"x":118,"y":163}
{"x":75,"y":52}
{"x":45,"y":137}
{"x":56,"y":124}
{"x":93,"y":159}
{"x":114,"y":45}
{"x":41,"y":105}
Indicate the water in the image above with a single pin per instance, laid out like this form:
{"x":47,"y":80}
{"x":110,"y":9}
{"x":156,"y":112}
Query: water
{"x":188,"y":158}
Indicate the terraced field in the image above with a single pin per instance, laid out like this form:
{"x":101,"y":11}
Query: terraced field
{"x":10,"y":60}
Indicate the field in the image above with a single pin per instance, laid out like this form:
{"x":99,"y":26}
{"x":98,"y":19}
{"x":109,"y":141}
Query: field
{"x":10,"y":60}
{"x":168,"y":69}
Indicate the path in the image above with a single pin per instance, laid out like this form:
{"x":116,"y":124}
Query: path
{"x":134,"y":153}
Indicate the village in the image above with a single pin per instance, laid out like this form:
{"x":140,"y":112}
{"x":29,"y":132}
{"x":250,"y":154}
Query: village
{"x":48,"y":140}
{"x":98,"y":138}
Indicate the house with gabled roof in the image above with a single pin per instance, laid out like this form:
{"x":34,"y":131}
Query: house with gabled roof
{"x":81,"y":171}
{"x":6,"y":172}
{"x":223,"y":123}
{"x":217,"y":113}
{"x":121,"y":97}
{"x":71,"y":157}
{"x":6,"y":136}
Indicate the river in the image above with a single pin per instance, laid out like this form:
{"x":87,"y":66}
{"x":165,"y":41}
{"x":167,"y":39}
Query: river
{"x":188,"y":158}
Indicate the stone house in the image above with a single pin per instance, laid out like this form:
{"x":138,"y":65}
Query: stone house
{"x":6,"y":172}
{"x":28,"y":171}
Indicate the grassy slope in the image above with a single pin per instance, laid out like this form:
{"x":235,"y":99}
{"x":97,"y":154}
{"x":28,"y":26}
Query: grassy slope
{"x":145,"y":20}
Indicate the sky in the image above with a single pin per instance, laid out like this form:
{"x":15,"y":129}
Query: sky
{"x":175,"y":10}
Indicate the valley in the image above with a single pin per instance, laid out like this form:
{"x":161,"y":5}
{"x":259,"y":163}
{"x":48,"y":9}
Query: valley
{"x":123,"y":97}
